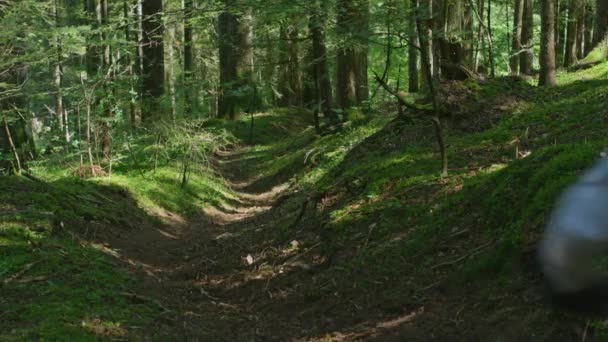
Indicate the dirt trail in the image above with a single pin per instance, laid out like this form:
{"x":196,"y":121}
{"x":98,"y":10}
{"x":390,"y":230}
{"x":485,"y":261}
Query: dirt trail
{"x":203,"y":276}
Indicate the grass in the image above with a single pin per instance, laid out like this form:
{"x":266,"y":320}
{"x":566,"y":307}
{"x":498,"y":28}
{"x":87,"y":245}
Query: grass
{"x":54,"y":285}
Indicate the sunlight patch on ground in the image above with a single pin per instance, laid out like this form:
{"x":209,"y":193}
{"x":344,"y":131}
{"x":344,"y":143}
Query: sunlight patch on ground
{"x":104,"y":329}
{"x":222,"y":218}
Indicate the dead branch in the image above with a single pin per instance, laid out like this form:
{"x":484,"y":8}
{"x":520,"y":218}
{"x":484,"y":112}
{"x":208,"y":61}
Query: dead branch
{"x":142,"y":299}
{"x":399,"y":98}
{"x":21,"y":272}
{"x":472,"y":253}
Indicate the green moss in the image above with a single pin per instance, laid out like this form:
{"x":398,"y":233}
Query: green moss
{"x":53,"y":288}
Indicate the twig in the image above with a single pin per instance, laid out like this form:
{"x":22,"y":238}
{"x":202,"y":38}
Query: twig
{"x":399,"y":98}
{"x":21,"y":272}
{"x":585,"y":331}
{"x":473,"y":252}
{"x":140,"y":298}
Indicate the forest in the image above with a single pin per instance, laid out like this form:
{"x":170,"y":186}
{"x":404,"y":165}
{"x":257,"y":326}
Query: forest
{"x":292,"y":170}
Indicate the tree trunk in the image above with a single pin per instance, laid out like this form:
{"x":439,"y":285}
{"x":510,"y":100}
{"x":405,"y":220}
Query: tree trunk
{"x":101,"y":10}
{"x":468,"y":25}
{"x":353,"y":28}
{"x":516,"y":39}
{"x":547,"y":44}
{"x":425,"y":57}
{"x":452,"y":51}
{"x":412,"y":52}
{"x":588,"y":29}
{"x":131,"y":66}
{"x":601,"y":23}
{"x":490,"y":41}
{"x":58,"y":69}
{"x":560,"y":27}
{"x":188,"y":58}
{"x":322,"y":81}
{"x":480,"y":42}
{"x":171,"y":75}
{"x":269,"y":68}
{"x":228,"y":43}
{"x":527,"y":31}
{"x":580,"y":31}
{"x":425,"y":34}
{"x":235,"y":37}
{"x":9,"y":139}
{"x":153,"y":70}
{"x":290,"y":77}
{"x":571,"y":37}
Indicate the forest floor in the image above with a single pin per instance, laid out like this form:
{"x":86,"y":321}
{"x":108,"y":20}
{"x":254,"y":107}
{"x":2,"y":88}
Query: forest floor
{"x":294,"y":236}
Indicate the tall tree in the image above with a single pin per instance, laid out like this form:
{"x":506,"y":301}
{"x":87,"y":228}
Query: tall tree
{"x":153,"y":68}
{"x":188,"y":56}
{"x":424,"y":10}
{"x":601,"y":23}
{"x":322,"y":81}
{"x":130,"y":62}
{"x":518,"y":13}
{"x":571,"y":37}
{"x":235,"y":38}
{"x":412,"y":52}
{"x":451,"y":14}
{"x":58,"y":67}
{"x":424,"y":15}
{"x":589,"y":21}
{"x":560,"y":30}
{"x":353,"y":29}
{"x":105,"y":58}
{"x":547,"y":44}
{"x":580,"y":30}
{"x":527,"y":32}
{"x":290,"y":75}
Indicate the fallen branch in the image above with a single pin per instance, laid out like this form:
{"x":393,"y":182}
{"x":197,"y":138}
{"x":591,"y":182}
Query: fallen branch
{"x":21,"y":272}
{"x":472,"y":253}
{"x":398,"y":96}
{"x":583,"y":66}
{"x":143,"y":299}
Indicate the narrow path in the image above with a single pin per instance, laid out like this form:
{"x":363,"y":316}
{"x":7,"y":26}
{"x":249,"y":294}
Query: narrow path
{"x":198,"y":273}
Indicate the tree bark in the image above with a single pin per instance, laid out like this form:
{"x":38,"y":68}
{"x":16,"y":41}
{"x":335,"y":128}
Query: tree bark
{"x":9,"y":139}
{"x":547,"y":47}
{"x":452,"y":53}
{"x":571,"y":37}
{"x":131,"y":63}
{"x":101,"y":10}
{"x":290,"y":77}
{"x":235,"y":37}
{"x":580,"y":31}
{"x":560,"y":35}
{"x":171,"y":74}
{"x":353,"y":27}
{"x":322,"y":81}
{"x":153,"y":70}
{"x":412,"y":52}
{"x":589,"y":21}
{"x":188,"y":57}
{"x":425,"y":34}
{"x":527,"y":32}
{"x":601,"y":23}
{"x":425,"y":56}
{"x":516,"y":39}
{"x":490,"y":41}
{"x":58,"y":69}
